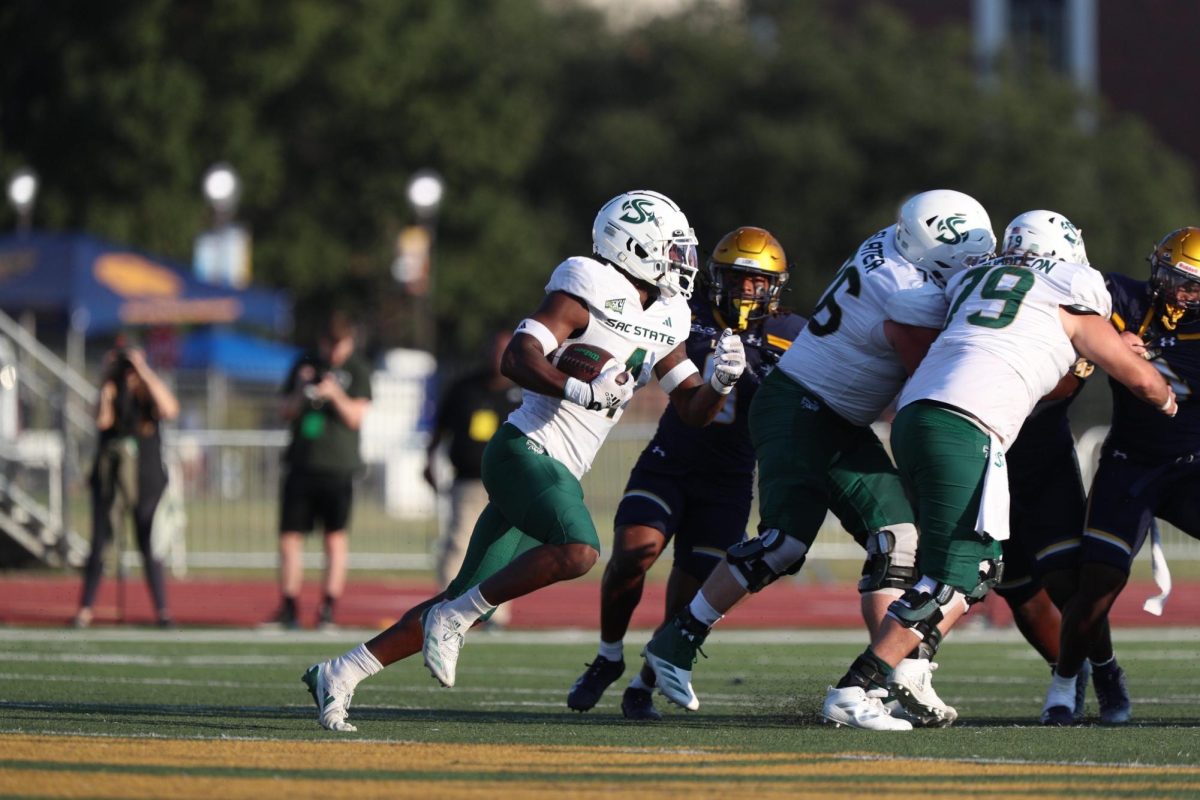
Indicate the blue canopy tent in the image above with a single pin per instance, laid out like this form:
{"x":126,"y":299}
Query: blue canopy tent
{"x":102,"y":287}
{"x":237,"y":355}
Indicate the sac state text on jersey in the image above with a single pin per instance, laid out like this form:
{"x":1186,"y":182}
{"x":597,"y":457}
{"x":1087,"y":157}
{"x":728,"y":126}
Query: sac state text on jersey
{"x":639,"y":332}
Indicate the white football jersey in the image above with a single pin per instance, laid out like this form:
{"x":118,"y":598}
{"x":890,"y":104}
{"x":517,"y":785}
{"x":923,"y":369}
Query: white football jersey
{"x":842,"y":355}
{"x":618,"y":323}
{"x":1004,"y":346}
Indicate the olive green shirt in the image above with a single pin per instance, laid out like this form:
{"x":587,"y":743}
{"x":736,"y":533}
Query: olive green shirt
{"x":321,"y":440}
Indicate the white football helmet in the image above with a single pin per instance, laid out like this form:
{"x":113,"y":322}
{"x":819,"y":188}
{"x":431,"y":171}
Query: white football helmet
{"x":945,"y":231}
{"x":1044,"y":234}
{"x":644,"y":234}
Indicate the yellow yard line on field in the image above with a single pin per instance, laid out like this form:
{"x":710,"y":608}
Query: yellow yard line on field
{"x":352,"y":756}
{"x":56,"y":784}
{"x":74,"y":766}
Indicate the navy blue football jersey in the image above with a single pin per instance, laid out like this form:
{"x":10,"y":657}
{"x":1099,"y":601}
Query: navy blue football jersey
{"x":1046,"y":431}
{"x":724,"y":444}
{"x":1139,"y":429}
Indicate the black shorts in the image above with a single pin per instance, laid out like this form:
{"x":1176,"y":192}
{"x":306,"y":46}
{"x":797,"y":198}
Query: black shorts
{"x":309,"y":497}
{"x":704,"y":515}
{"x":1047,"y":506}
{"x":1126,"y":495}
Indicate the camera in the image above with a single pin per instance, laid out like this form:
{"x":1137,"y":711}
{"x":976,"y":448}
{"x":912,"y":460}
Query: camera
{"x":120,"y":363}
{"x":320,"y":370}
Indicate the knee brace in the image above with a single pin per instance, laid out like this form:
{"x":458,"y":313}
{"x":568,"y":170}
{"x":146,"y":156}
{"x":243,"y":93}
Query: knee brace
{"x":991,"y":572}
{"x":764,"y":559}
{"x":920,"y":608}
{"x":891,"y":559}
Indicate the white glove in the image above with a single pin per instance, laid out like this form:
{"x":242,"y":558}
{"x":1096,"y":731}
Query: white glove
{"x":729,"y":362}
{"x":612,"y":388}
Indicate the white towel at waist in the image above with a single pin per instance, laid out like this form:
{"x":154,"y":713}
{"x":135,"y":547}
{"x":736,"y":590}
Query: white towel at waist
{"x":993,"y":504}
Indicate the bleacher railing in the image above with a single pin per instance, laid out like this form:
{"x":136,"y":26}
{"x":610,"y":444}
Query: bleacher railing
{"x":225,"y":509}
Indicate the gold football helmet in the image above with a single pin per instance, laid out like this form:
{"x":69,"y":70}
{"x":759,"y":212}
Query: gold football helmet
{"x":746,"y":275}
{"x":1175,"y":273}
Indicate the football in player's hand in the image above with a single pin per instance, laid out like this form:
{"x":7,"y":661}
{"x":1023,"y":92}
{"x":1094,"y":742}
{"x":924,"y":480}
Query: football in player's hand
{"x":584,"y":362}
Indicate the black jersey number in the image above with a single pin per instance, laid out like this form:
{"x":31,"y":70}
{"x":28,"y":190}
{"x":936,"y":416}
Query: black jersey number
{"x":847,"y":278}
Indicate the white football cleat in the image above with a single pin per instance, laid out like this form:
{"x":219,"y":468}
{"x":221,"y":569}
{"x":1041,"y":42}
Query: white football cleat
{"x":332,"y":698}
{"x":671,"y":653}
{"x":674,"y":683}
{"x":856,"y":707}
{"x":912,"y":684}
{"x":444,"y":632}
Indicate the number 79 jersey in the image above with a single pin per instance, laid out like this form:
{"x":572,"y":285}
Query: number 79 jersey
{"x":842,"y":356}
{"x":637,"y":337}
{"x":1004,"y":346}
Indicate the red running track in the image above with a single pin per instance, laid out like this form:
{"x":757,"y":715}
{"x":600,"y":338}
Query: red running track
{"x":375,"y":604}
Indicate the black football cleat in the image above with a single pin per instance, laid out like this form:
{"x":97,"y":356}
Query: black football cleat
{"x":590,"y":687}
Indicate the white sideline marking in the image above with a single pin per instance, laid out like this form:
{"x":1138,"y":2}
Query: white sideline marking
{"x":133,"y":659}
{"x":534,"y":637}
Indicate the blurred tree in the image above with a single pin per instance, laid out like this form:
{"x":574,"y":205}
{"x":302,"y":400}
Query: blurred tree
{"x":799,"y":116}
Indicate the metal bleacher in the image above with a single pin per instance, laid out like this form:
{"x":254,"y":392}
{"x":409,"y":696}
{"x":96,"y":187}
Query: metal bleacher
{"x":40,"y":455}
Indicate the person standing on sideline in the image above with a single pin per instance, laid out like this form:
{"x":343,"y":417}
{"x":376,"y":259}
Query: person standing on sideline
{"x":469,"y":413}
{"x":624,"y":311}
{"x":129,"y":475}
{"x":325,"y":398}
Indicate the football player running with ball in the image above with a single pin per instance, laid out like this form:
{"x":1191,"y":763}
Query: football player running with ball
{"x":810,"y":426}
{"x":693,"y":486}
{"x":1149,"y":467}
{"x":1011,"y":335}
{"x":628,"y":303}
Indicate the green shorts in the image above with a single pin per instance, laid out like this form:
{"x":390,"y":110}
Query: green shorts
{"x":942,"y":458}
{"x":810,"y":460}
{"x":532,"y":500}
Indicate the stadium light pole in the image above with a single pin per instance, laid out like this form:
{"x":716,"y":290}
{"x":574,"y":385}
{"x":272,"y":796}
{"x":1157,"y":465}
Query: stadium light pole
{"x":222,"y":252}
{"x":22,"y":194}
{"x":222,"y":189}
{"x":424,"y":191}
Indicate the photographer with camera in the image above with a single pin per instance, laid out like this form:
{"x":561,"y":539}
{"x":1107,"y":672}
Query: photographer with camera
{"x":325,"y":398}
{"x":128,"y":474}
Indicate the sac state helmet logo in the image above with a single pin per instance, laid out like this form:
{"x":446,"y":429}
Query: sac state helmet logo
{"x":948,"y":229}
{"x":639,"y":210}
{"x":1070,"y":232}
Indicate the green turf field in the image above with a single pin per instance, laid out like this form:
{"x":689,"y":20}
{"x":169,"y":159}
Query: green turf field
{"x":139,"y":713}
